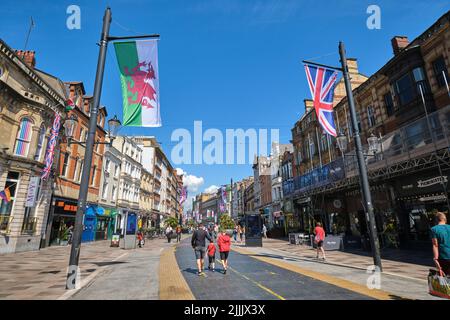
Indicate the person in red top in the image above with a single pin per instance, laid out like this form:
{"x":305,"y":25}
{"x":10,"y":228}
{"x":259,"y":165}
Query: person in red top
{"x":224,"y":243}
{"x":211,"y":251}
{"x":319,"y":239}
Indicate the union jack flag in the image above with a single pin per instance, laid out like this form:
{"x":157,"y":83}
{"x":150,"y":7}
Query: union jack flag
{"x":321,"y":82}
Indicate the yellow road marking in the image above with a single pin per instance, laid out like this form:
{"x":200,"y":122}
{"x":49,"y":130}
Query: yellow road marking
{"x":256,"y":283}
{"x":376,"y":294}
{"x":172,"y":285}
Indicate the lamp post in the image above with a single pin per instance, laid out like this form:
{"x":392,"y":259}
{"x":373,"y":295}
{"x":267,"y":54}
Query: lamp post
{"x":370,"y":216}
{"x":105,"y":38}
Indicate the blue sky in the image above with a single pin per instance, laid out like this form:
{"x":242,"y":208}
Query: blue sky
{"x":229,"y":63}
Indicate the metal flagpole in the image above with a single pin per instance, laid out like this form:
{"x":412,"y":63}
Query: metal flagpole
{"x":84,"y":185}
{"x":446,"y":82}
{"x":319,"y":148}
{"x":373,"y":234}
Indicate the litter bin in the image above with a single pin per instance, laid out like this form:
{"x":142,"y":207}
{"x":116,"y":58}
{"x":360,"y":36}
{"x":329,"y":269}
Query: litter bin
{"x":115,"y":240}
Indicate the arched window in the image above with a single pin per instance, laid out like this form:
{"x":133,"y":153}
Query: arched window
{"x":40,"y":145}
{"x":23,"y":138}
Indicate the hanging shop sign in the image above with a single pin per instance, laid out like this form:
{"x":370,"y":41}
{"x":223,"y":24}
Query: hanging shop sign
{"x":32,"y":194}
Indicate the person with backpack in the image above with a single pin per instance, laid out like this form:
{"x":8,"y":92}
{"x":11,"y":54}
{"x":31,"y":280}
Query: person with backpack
{"x":224,"y":243}
{"x":211,"y":251}
{"x":198,"y":243}
{"x":319,"y":239}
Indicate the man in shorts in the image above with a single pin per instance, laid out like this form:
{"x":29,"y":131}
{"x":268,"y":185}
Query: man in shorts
{"x":198,"y":243}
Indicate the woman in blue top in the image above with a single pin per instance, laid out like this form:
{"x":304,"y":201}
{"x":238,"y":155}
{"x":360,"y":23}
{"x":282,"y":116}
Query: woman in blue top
{"x":440,"y":235}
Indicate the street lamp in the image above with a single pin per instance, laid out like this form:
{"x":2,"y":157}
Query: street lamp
{"x":342,"y":142}
{"x":70,"y":126}
{"x":373,"y":142}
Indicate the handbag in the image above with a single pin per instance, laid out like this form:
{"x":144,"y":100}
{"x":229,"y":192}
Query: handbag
{"x":439,"y":286}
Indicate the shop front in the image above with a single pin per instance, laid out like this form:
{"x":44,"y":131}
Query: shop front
{"x":111,"y":222}
{"x":63,"y":221}
{"x":419,"y":198}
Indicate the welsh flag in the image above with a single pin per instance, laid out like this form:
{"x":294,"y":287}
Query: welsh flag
{"x":138,"y":65}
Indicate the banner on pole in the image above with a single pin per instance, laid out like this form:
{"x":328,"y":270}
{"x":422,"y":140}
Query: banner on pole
{"x":138,"y":65}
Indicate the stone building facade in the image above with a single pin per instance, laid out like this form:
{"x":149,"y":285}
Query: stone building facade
{"x":29,"y":101}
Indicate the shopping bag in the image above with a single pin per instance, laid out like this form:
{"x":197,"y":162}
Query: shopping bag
{"x":439,"y":286}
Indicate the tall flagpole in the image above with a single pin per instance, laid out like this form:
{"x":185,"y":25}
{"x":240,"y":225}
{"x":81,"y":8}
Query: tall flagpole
{"x":318,"y":145}
{"x":88,"y":155}
{"x":370,"y":215}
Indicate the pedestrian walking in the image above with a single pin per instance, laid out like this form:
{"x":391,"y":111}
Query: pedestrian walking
{"x":198,"y":243}
{"x":211,"y":251}
{"x":224,"y":243}
{"x":178,"y":231}
{"x":140,"y":238}
{"x":440,"y":235}
{"x":264,"y":231}
{"x":235,"y":232}
{"x":169,"y":232}
{"x":319,"y":239}
{"x":241,"y":233}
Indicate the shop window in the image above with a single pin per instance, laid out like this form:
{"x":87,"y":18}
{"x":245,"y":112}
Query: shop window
{"x":440,"y":72}
{"x":24,"y":137}
{"x":6,"y":207}
{"x":40,"y":145}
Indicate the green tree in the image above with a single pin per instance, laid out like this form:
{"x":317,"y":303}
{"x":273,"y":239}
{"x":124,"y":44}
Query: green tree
{"x":226,"y":223}
{"x":172,"y":221}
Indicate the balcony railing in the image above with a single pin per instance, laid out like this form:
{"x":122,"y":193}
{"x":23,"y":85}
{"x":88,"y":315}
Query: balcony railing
{"x":421,"y":137}
{"x":5,"y":224}
{"x":29,"y":226}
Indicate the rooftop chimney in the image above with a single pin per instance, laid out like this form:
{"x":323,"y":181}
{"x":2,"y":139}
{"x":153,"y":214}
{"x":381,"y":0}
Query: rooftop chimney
{"x":399,"y":43}
{"x":28,"y":57}
{"x":352,"y":65}
{"x":309,"y":104}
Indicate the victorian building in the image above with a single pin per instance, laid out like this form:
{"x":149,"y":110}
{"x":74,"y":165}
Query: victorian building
{"x":29,"y":102}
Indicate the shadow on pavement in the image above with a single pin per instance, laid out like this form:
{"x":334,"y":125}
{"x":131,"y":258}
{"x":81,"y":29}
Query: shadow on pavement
{"x":108,"y":263}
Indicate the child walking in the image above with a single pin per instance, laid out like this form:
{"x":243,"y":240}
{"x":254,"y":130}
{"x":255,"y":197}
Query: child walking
{"x":211,"y":251}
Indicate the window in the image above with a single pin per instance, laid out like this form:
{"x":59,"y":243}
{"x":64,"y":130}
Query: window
{"x":371,"y":116}
{"x":94,"y":173}
{"x":80,"y":171}
{"x":108,"y":165}
{"x":105,"y":190}
{"x":312,"y":148}
{"x":24,"y":137}
{"x":6,"y":208}
{"x":114,"y":193}
{"x":404,"y":89}
{"x":440,"y":72}
{"x":389,"y":103}
{"x":116,"y":173}
{"x":65,"y":164}
{"x":324,"y":142}
{"x":82,"y":135}
{"x":40,"y":145}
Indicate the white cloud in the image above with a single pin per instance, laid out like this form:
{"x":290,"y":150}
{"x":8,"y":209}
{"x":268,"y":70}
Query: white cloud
{"x":193,"y":183}
{"x":212,"y":189}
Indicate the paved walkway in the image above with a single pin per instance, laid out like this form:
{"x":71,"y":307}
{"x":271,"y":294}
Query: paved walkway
{"x":397,"y":262}
{"x":41,"y":275}
{"x":252,"y":279}
{"x":134,"y":277}
{"x":345,"y":266}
